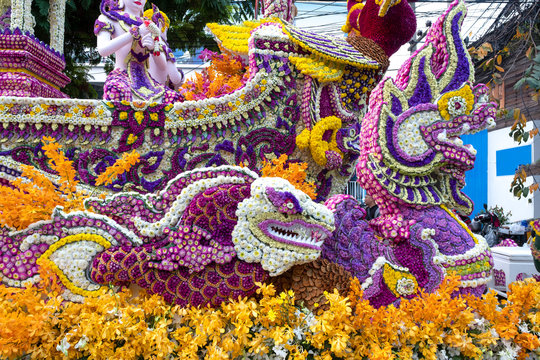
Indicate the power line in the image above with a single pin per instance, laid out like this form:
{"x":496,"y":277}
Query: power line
{"x":321,"y":7}
{"x":491,"y":16}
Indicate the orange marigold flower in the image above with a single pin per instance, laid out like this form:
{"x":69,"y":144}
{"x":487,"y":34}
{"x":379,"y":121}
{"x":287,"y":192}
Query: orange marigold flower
{"x":122,"y":165}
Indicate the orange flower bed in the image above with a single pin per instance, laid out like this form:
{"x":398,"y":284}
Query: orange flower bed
{"x":36,"y":322}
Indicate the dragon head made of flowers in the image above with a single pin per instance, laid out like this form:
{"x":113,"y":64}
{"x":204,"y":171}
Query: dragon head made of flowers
{"x":411,"y":151}
{"x":279,"y":226}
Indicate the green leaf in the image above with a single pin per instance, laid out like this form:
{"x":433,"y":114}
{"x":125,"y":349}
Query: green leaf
{"x":525,"y":191}
{"x":519,"y":83}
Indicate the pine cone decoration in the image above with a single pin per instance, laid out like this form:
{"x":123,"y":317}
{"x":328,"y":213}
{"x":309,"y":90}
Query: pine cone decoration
{"x":309,"y":281}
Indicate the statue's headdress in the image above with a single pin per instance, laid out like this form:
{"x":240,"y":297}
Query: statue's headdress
{"x":158,"y":17}
{"x":110,"y":9}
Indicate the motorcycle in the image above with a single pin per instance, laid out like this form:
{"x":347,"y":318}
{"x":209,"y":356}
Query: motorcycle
{"x":487,"y":225}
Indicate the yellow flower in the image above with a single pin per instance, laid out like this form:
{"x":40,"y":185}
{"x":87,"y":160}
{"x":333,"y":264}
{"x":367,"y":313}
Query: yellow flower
{"x":139,"y":116}
{"x":322,"y":138}
{"x":121,"y":165}
{"x":302,"y":140}
{"x":295,"y":173}
{"x":456,"y":103}
{"x":131,"y":139}
{"x":271,"y":315}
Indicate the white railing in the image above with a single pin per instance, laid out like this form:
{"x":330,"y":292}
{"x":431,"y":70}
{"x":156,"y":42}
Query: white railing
{"x":354,"y":189}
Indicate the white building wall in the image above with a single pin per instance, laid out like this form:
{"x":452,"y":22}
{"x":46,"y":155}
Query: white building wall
{"x":499,"y":186}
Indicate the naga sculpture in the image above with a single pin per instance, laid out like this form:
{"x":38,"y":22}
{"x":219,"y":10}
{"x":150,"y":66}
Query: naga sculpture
{"x":413,"y":163}
{"x":211,"y":233}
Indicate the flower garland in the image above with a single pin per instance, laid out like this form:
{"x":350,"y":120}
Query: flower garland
{"x":57,"y":13}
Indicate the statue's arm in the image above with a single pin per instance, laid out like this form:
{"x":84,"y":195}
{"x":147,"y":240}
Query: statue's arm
{"x":108,"y":39}
{"x":106,"y":44}
{"x":175,"y":76}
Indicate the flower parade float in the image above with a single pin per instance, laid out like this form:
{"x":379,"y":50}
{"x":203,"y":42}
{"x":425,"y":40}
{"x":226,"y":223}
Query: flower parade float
{"x":235,"y":196}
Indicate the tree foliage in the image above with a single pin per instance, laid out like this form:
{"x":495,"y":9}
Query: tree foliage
{"x":188,"y":20}
{"x":496,"y":58}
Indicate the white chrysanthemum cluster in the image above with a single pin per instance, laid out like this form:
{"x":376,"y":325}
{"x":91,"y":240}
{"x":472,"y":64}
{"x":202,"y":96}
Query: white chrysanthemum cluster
{"x":406,"y":286}
{"x":36,"y":111}
{"x":57,"y":14}
{"x":73,"y":259}
{"x":410,"y":138}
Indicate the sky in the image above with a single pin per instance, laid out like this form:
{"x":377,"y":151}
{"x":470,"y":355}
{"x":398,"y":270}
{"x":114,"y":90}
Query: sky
{"x":329,"y":16}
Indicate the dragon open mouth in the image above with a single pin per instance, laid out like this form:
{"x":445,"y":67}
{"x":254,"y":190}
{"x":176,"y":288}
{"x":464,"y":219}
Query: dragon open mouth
{"x":452,"y":137}
{"x":448,"y":137}
{"x":297,"y":233}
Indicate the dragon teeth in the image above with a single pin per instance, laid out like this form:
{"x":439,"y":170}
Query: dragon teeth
{"x":442,"y":136}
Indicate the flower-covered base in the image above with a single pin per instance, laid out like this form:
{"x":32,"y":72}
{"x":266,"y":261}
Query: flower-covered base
{"x":29,"y":68}
{"x":21,"y":84}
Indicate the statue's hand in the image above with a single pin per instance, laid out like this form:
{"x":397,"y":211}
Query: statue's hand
{"x":147,"y":42}
{"x":143,"y":30}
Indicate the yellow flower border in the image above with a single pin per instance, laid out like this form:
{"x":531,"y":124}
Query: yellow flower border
{"x":392,"y":276}
{"x":318,"y":68}
{"x":44,"y":260}
{"x":348,"y":27}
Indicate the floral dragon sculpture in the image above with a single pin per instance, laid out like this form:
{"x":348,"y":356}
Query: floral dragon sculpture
{"x":212,"y":232}
{"x":210,"y":235}
{"x":413,"y":163}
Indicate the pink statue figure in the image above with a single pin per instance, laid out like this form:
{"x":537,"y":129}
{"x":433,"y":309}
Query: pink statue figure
{"x":283,"y":9}
{"x":162,"y":66}
{"x":122,"y":31}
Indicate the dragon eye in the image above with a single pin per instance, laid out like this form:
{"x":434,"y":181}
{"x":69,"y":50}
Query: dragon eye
{"x":284,"y":201}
